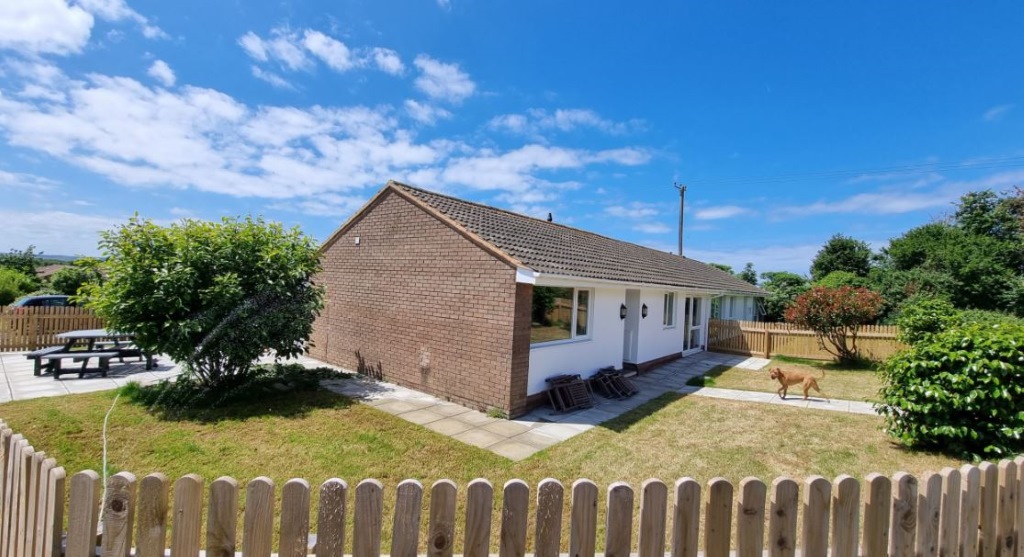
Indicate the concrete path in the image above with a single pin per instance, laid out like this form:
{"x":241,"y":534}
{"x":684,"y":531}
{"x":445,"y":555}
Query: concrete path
{"x":514,"y":439}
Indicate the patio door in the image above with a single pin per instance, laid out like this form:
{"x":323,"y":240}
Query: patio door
{"x":631,"y":329}
{"x":694,"y":324}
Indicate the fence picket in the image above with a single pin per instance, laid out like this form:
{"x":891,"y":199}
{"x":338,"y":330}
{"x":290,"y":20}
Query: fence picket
{"x":10,"y":516}
{"x":653,"y":518}
{"x":151,"y":533}
{"x":771,"y":339}
{"x":845,"y":516}
{"x":405,"y":534}
{"x":782,"y":520}
{"x":43,"y":509}
{"x":583,"y":519}
{"x":294,"y":538}
{"x":83,"y":514}
{"x":188,"y":516}
{"x":55,"y":518}
{"x":222,"y":518}
{"x":32,"y":502}
{"x":1019,"y":519}
{"x":877,"y":511}
{"x":479,"y":503}
{"x":258,"y":522}
{"x":750,"y":518}
{"x":718,"y":518}
{"x":619,"y":521}
{"x":330,"y":538}
{"x":1007,"y":509}
{"x":970,"y":510}
{"x":904,"y":515}
{"x":949,"y":521}
{"x":515,"y":515}
{"x":816,"y":513}
{"x":119,"y":515}
{"x":6,"y":434}
{"x":548,"y":527}
{"x":441,"y":540}
{"x":24,"y":483}
{"x":987,"y":531}
{"x":368,"y":519}
{"x":929,"y":513}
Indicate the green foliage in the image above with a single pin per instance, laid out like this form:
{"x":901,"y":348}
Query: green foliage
{"x":985,"y":213}
{"x":842,"y":253}
{"x":834,"y":314}
{"x":959,"y":392}
{"x":922,"y":318}
{"x":835,"y":279}
{"x":70,"y":279}
{"x":722,"y":267}
{"x":989,"y":318}
{"x":23,"y":261}
{"x":748,"y":274}
{"x":186,"y":398}
{"x":212,"y":296}
{"x":13,"y":285}
{"x":783,"y":288}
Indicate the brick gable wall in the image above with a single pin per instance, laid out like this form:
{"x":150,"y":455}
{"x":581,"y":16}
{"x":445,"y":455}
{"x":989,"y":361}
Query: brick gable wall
{"x":418,"y":304}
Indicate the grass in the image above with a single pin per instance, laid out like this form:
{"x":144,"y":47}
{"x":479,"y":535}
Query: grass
{"x":318,"y":435}
{"x":846,"y":383}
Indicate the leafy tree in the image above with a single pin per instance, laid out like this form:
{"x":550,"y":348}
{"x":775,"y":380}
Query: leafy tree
{"x":70,"y":279}
{"x":213,"y":296}
{"x":834,"y":314}
{"x":783,"y":288}
{"x":985,"y":213}
{"x":748,"y":274}
{"x":13,"y":285}
{"x":842,"y":253}
{"x":835,"y":279}
{"x":959,"y":392}
{"x":24,"y":262}
{"x":922,"y":318}
{"x":722,"y":267}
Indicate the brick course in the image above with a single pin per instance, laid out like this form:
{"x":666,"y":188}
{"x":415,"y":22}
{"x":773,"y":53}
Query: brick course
{"x":418,"y":304}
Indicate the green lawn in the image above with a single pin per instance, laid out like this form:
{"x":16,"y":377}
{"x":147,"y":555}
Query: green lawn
{"x":320,"y":435}
{"x":846,"y":383}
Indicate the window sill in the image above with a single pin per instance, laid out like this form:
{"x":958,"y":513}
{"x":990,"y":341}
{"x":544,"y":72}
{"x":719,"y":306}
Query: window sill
{"x":667,"y":327}
{"x":534,"y":346}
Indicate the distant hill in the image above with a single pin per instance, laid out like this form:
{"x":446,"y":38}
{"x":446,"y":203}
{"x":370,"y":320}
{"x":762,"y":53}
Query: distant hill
{"x":47,"y":258}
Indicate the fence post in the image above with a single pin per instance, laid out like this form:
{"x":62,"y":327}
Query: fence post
{"x":405,"y":529}
{"x":82,"y":514}
{"x":970,"y":509}
{"x":368,"y":521}
{"x":151,"y":535}
{"x":750,"y":518}
{"x":619,"y":521}
{"x":479,"y":502}
{"x":845,"y":516}
{"x":583,"y":519}
{"x":222,"y":518}
{"x":188,"y":516}
{"x":1007,"y":532}
{"x":330,"y":536}
{"x":258,"y":525}
{"x":718,"y":518}
{"x":817,"y":498}
{"x":949,"y":523}
{"x":515,"y":513}
{"x":550,"y":500}
{"x":441,"y":531}
{"x":989,"y":510}
{"x":782,"y":520}
{"x":653,"y":505}
{"x":294,"y":538}
{"x":929,"y":513}
{"x":904,"y":516}
{"x":767,"y":343}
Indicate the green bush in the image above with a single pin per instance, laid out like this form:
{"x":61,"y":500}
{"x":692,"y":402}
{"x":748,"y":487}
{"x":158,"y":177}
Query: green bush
{"x":986,"y":317}
{"x":921,"y":318}
{"x":959,"y":391}
{"x":13,"y":285}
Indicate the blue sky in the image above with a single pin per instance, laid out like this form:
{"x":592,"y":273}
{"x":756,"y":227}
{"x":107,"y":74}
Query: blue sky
{"x":789,"y":121}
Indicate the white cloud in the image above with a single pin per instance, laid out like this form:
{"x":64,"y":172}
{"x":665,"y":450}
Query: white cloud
{"x":633,"y":210}
{"x":325,"y":205}
{"x":537,"y":121}
{"x":43,"y":26}
{"x":996,"y":113}
{"x":253,"y":46}
{"x":445,"y":4}
{"x":118,"y":10}
{"x":720,"y":212}
{"x":57,"y":232}
{"x":443,"y":81}
{"x":652,"y":228}
{"x":26,"y":181}
{"x":161,"y":72}
{"x":387,"y":60}
{"x":331,"y":51}
{"x":271,"y":78}
{"x":284,"y":47}
{"x":425,"y":113}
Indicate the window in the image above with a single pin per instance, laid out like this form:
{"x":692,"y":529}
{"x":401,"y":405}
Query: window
{"x":668,"y":319}
{"x":559,"y":313}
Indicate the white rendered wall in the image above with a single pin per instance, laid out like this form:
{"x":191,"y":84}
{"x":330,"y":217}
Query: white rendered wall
{"x":583,"y":357}
{"x":656,"y":340}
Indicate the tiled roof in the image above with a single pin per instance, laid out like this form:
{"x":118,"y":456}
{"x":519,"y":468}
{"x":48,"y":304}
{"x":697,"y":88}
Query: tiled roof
{"x":556,"y":249}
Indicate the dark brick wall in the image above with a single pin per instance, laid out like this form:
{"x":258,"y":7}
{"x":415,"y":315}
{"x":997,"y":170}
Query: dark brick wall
{"x":418,"y":304}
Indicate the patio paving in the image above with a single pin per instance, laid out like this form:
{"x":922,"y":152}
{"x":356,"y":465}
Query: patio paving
{"x":514,"y":439}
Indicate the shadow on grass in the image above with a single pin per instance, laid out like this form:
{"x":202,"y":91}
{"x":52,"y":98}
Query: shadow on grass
{"x":708,"y":379}
{"x":277,"y":391}
{"x":861,"y":364}
{"x":631,"y":418}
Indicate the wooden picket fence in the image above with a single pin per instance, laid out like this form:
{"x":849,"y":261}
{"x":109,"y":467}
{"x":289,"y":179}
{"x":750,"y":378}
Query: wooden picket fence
{"x":753,"y":338}
{"x":31,"y":328}
{"x":975,"y":511}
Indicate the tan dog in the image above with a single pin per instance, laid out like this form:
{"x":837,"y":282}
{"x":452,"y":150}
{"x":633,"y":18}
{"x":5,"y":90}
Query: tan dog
{"x":790,"y":378}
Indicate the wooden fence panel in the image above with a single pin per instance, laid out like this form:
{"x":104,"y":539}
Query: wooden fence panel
{"x":515,"y":514}
{"x":550,"y":500}
{"x":753,"y":338}
{"x":294,"y":537}
{"x":222,"y":518}
{"x":619,"y":521}
{"x":330,"y":536}
{"x":750,"y":518}
{"x":583,"y":519}
{"x":718,"y":518}
{"x":782,"y":518}
{"x":405,"y":530}
{"x":479,"y":502}
{"x":119,"y":515}
{"x":151,"y":534}
{"x":686,"y":518}
{"x":31,"y":328}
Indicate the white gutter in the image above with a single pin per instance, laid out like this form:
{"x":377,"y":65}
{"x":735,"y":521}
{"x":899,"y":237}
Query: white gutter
{"x":568,"y":280}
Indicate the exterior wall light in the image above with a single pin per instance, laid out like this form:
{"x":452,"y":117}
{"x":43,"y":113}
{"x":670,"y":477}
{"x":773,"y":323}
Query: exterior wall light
{"x":643,"y":311}
{"x":622,"y":311}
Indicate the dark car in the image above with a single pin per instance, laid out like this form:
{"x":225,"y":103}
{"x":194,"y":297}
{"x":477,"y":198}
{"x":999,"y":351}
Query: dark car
{"x":47,"y":300}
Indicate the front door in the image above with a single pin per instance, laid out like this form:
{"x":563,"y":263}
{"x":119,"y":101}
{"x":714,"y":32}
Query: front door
{"x":631,"y":332}
{"x":694,"y":324}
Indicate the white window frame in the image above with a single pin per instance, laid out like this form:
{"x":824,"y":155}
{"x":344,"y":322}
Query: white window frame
{"x":668,"y":319}
{"x":575,"y":315}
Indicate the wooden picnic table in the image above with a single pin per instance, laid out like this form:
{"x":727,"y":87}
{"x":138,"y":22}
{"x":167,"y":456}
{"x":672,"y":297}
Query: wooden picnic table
{"x":99,"y":343}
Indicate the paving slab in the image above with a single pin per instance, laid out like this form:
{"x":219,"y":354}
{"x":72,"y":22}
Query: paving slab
{"x":449,"y":426}
{"x":479,"y":438}
{"x":422,"y":417}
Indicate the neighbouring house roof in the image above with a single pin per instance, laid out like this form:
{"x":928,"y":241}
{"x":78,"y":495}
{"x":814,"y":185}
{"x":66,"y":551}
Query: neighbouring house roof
{"x":48,"y":270}
{"x":555,"y":249}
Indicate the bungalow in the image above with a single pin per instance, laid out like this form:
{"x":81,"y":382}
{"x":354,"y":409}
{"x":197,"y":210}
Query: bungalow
{"x":480,"y":305}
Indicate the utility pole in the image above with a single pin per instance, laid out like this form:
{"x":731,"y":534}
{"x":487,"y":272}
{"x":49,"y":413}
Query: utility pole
{"x":682,"y":202}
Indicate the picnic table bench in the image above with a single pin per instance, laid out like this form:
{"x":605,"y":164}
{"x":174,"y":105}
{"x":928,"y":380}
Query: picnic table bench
{"x":56,"y":358}
{"x":100,"y":344}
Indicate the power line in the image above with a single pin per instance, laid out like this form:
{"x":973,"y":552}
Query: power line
{"x":990,"y":164}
